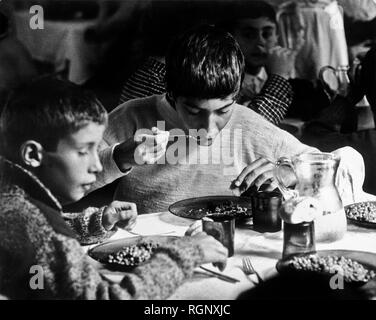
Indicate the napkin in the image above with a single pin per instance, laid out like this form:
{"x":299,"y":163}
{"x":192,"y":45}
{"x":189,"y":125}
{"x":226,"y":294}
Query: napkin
{"x":350,"y":176}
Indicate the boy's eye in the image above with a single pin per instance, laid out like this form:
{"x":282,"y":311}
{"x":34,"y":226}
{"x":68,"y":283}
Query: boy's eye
{"x":224,"y":111}
{"x":83,"y":152}
{"x":193,"y":111}
{"x":267,"y":34}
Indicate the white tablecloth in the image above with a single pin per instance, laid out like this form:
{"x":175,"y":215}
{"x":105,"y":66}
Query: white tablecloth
{"x":60,"y":43}
{"x":265,"y":250}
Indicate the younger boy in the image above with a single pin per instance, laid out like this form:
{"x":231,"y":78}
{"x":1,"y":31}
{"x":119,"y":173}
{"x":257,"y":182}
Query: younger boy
{"x":51,"y":131}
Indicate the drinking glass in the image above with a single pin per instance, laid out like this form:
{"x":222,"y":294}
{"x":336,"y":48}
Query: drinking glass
{"x":298,"y":238}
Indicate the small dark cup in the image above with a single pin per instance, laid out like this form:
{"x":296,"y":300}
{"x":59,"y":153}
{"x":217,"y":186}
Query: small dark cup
{"x":221,"y":228}
{"x":265,"y":211}
{"x":298,"y":238}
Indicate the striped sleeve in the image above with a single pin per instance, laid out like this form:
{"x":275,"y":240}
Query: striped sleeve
{"x":274,"y":99}
{"x":148,"y":80}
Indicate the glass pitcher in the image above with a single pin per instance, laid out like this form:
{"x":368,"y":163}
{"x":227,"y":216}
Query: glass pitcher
{"x":315,"y":174}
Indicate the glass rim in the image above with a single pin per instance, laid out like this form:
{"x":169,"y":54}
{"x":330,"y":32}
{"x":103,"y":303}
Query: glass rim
{"x":304,"y":223}
{"x":266,"y":194}
{"x":218,"y":218}
{"x":317,"y":156}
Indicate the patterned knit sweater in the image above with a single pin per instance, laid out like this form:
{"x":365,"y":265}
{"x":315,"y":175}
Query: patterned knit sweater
{"x":33,"y":233}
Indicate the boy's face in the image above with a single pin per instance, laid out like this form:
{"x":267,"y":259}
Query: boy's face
{"x":70,"y":171}
{"x":209,"y":115}
{"x":255,"y":38}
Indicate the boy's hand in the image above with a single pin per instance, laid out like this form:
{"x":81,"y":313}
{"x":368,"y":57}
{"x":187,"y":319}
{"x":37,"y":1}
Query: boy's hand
{"x":213,"y":251}
{"x":259,"y":172}
{"x":142,"y":149}
{"x":280,"y":61}
{"x":194,"y":228}
{"x":151,"y":147}
{"x":119,"y":213}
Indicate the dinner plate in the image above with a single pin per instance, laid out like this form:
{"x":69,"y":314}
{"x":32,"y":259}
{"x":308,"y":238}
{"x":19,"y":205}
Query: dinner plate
{"x":360,"y":223}
{"x":197,"y":208}
{"x":367,"y":259}
{"x":103,"y":250}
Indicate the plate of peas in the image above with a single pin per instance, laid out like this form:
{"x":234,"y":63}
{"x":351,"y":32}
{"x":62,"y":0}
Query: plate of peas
{"x":128,"y":253}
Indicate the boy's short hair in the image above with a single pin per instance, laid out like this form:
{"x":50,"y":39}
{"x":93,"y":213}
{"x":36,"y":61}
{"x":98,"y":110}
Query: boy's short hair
{"x":206,"y":63}
{"x":47,"y":110}
{"x":243,"y":9}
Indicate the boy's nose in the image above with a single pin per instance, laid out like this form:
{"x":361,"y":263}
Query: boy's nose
{"x":211,"y":125}
{"x":96,"y":166}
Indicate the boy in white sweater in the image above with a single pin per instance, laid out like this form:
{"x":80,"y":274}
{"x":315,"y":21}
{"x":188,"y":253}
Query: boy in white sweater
{"x":236,"y":147}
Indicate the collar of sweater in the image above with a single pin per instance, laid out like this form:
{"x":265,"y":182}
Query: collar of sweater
{"x":13,"y":173}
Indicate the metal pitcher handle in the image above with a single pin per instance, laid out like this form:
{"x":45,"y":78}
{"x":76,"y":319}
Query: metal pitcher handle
{"x":286,"y":192}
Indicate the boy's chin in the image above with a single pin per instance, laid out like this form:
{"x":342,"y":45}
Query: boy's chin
{"x":71,"y":198}
{"x":207,"y":143}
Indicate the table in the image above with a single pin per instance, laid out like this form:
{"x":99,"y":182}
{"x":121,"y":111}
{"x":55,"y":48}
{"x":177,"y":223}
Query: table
{"x":62,"y":44}
{"x":264,"y":248}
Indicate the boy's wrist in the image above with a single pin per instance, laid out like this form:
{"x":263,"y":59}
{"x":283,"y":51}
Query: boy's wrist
{"x":123,"y":155}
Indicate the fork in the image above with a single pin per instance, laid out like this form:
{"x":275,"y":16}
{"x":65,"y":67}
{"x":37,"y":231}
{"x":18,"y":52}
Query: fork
{"x":148,"y":235}
{"x":249,"y":269}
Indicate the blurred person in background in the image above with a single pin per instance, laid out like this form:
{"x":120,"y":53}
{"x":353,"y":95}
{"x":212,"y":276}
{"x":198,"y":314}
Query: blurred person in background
{"x":163,"y":21}
{"x":254,"y":25}
{"x":118,"y":29}
{"x":16,"y":64}
{"x":326,"y":131}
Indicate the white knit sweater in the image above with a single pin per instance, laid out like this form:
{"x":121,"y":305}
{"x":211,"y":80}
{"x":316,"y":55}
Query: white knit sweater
{"x":245,"y":138}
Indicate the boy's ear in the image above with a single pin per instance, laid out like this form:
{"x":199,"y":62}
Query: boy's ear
{"x":32,"y":153}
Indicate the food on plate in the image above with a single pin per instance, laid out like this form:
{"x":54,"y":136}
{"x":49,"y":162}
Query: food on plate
{"x":132,"y":255}
{"x":363,"y":211}
{"x":224,"y":209}
{"x":351,"y":270}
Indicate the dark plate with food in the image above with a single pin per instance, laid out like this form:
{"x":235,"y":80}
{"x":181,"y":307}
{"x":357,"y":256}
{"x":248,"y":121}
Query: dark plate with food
{"x":198,"y":208}
{"x":356,"y":267}
{"x":125,"y":254}
{"x":362,"y":214}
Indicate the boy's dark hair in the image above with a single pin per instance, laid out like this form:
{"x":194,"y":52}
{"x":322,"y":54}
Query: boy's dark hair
{"x":242,"y":9}
{"x":47,"y":110}
{"x":206,"y":63}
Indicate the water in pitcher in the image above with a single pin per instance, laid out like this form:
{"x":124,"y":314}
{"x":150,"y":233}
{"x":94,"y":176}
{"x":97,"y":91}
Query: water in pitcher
{"x":315,"y":173}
